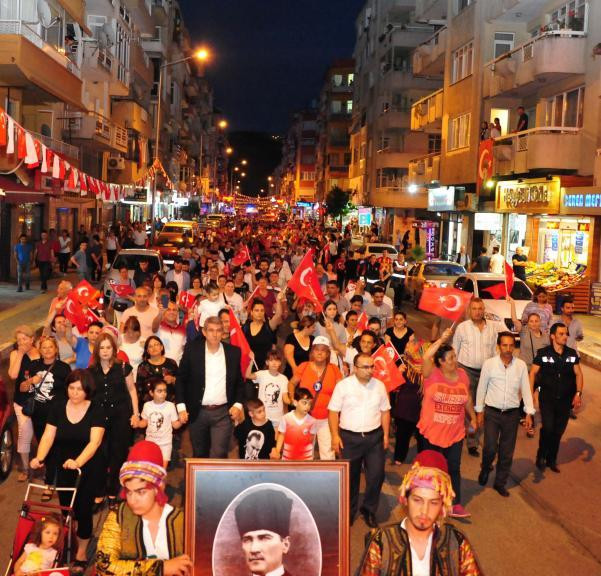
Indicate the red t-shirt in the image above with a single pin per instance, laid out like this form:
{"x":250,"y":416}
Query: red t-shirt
{"x":298,"y":437}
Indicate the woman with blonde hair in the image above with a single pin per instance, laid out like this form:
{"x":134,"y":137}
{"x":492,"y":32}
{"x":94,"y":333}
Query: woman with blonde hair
{"x":19,"y":369}
{"x":115,"y":391}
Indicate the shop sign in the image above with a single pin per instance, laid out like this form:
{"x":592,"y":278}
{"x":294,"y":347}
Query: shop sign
{"x":488,"y":221}
{"x":364,"y":216}
{"x":575,"y":201}
{"x":596,"y":298}
{"x":304,"y":204}
{"x":441,"y":199}
{"x":534,"y":196}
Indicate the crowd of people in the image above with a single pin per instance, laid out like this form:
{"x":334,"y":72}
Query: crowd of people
{"x":162,"y":361}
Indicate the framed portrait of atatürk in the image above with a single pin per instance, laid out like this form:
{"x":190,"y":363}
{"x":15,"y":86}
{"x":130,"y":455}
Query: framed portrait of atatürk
{"x":264,"y":516}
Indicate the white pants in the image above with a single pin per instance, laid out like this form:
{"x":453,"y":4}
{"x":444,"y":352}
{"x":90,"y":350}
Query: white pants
{"x":324,"y":440}
{"x":25,"y":430}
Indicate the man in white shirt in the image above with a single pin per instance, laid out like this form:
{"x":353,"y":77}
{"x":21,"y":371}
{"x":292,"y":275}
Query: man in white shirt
{"x":359,"y":417}
{"x":497,"y":262}
{"x":140,"y":236}
{"x":170,"y":331}
{"x":143,"y":311}
{"x":474,"y":341}
{"x":503,"y":384}
{"x":209,"y":391}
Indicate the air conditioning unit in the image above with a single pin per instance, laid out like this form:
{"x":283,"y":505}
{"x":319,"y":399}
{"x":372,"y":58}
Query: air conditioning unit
{"x":116,"y":163}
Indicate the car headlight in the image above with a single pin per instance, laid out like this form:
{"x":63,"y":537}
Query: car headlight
{"x":492,"y":317}
{"x":443,"y":284}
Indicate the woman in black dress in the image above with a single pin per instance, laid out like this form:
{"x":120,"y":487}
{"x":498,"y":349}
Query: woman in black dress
{"x":115,"y":392}
{"x":298,"y":345}
{"x":74,"y":431}
{"x":259,"y":332}
{"x":19,"y":369}
{"x":399,"y":333}
{"x":155,"y":365}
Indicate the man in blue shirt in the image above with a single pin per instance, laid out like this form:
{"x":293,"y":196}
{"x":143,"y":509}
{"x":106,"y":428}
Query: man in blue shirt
{"x":23,"y":251}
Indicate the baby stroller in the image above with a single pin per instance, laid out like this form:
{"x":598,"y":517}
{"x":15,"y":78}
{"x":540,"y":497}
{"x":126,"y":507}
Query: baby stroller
{"x":32,"y":510}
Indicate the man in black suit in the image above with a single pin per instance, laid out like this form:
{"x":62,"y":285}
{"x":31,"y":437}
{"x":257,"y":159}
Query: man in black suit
{"x":209,"y":391}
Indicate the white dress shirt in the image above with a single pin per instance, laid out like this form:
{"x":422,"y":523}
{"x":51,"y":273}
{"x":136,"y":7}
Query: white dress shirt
{"x":503,"y":387}
{"x":473,"y":346}
{"x":277,"y":572}
{"x":159,"y":548}
{"x":215,"y":391}
{"x":360,"y":405}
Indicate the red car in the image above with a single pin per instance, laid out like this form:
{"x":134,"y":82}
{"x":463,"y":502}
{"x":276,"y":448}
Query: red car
{"x":6,"y":433}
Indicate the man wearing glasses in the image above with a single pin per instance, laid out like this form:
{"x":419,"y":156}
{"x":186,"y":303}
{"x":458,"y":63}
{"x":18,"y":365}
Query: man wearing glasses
{"x":359,"y":417}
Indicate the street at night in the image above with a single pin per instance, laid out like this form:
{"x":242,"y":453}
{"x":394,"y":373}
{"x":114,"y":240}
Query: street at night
{"x":300,"y":288}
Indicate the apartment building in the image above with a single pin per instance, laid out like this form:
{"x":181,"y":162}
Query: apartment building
{"x":531,"y":186}
{"x":382,"y":143}
{"x":334,"y":121}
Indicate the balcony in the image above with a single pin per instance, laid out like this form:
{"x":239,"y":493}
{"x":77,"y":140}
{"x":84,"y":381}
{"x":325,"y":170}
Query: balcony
{"x":156,"y":45}
{"x":395,"y":80}
{"x":545,"y":148}
{"x":141,"y":67}
{"x":66,"y":150}
{"x":27,"y":61}
{"x":425,"y":169}
{"x":91,"y":126}
{"x":428,"y":57}
{"x":130,"y":114}
{"x":160,"y":11}
{"x":426,"y":114}
{"x":398,"y":197}
{"x":427,"y":10}
{"x":506,"y":9}
{"x":394,"y":118}
{"x":550,"y":57}
{"x":393,"y":158}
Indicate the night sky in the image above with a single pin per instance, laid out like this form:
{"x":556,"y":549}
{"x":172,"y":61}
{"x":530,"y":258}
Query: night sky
{"x":270,"y":56}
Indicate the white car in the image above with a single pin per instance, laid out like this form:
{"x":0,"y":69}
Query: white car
{"x":377,"y":248}
{"x":497,"y":310}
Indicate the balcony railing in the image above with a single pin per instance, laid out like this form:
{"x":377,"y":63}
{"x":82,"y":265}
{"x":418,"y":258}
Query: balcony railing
{"x":428,"y":57}
{"x":58,"y":146}
{"x":427,"y":111}
{"x":93,"y":126}
{"x":425,"y":169}
{"x":546,"y":147}
{"x":20,"y":28}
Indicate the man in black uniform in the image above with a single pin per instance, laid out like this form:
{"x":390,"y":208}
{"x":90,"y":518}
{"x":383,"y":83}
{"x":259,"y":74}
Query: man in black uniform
{"x":263,"y":520}
{"x":556,"y":379}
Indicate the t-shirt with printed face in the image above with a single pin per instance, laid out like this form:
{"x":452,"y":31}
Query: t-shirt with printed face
{"x":255,"y":442}
{"x":271,"y":393}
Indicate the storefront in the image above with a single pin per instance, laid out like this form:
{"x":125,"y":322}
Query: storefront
{"x":557,"y":234}
{"x":452,"y":224}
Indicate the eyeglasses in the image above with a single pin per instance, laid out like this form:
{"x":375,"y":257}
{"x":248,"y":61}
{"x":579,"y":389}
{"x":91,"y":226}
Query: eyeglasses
{"x":370,"y":367}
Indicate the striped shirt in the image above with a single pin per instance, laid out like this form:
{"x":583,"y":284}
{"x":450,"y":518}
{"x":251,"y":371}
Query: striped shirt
{"x":473,"y":346}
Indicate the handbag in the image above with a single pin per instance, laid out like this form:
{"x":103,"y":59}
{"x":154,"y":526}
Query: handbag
{"x":120,"y":306}
{"x":28,"y":407}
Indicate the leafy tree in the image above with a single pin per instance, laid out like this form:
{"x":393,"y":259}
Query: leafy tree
{"x":337,"y":202}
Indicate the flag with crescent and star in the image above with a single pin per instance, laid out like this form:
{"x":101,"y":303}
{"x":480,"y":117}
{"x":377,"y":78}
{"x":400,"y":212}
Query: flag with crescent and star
{"x":449,"y":303}
{"x":304,"y":282}
{"x":385,"y":368}
{"x":242,"y":256}
{"x":502,"y":289}
{"x":362,"y":322}
{"x":79,"y":315}
{"x":86,"y":294}
{"x":121,"y":290}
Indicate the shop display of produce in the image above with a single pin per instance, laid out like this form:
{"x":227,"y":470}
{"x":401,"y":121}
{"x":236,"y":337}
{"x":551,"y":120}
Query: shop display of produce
{"x":553,"y":278}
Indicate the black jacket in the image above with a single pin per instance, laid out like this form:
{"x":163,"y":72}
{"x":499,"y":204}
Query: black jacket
{"x":191,"y":377}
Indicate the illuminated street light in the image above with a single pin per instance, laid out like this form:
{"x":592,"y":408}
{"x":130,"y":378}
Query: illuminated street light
{"x":229,"y":150}
{"x":244,"y":162}
{"x":222,"y":124}
{"x":412,"y":188}
{"x":490,"y":184}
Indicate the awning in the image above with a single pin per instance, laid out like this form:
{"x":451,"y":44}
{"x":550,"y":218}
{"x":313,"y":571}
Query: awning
{"x":77,"y":10}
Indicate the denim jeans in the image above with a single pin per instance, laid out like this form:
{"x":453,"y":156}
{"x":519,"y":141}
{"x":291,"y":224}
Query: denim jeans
{"x":23,"y":274}
{"x":453,"y":455}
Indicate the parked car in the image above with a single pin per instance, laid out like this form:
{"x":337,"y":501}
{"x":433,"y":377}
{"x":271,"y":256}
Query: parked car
{"x":366,"y":250}
{"x":430,"y":273}
{"x":7,"y":445}
{"x":216,"y":220}
{"x":497,"y":310}
{"x":130,"y":257}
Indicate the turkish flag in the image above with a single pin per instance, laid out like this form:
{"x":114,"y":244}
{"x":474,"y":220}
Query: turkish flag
{"x":74,"y":312}
{"x":509,"y":277}
{"x":362,"y":322}
{"x":242,"y":256}
{"x":385,"y":368}
{"x":485,"y":163}
{"x":121,"y":290}
{"x":237,"y":338}
{"x":187,"y":300}
{"x":304,"y":282}
{"x":446,"y":302}
{"x":86,"y":294}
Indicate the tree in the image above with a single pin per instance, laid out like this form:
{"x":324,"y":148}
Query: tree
{"x":337,"y":202}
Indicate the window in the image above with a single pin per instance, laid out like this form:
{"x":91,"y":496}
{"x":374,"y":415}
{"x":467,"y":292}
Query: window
{"x":570,"y":16}
{"x":463,"y":62}
{"x":349,"y":106}
{"x":337,"y":80}
{"x":503,"y":43}
{"x":459,"y":132}
{"x":463,"y":4}
{"x":336,"y":106}
{"x":565,"y":109}
{"x":306,"y":176}
{"x":434,"y":143}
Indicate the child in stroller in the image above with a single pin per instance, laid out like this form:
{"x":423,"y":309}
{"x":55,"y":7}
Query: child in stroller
{"x":41,"y":552}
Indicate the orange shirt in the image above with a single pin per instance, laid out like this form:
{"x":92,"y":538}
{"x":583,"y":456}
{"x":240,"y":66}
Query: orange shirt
{"x":442,"y":416}
{"x":308,"y":378}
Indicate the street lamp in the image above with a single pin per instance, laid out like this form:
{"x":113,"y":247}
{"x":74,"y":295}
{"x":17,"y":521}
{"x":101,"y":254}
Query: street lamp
{"x":202,"y":55}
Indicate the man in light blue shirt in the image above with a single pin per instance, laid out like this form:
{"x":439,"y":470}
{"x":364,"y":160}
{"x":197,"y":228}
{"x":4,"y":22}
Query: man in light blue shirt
{"x":23,"y":252}
{"x":503,"y":383}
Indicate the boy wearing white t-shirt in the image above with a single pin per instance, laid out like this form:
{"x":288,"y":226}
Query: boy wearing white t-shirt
{"x":160,"y":418}
{"x":211,"y":305}
{"x":273,"y":387}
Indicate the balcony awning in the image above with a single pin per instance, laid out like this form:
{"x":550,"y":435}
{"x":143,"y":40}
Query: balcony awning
{"x":77,"y":10}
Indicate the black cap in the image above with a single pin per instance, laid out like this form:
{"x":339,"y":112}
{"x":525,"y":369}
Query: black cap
{"x":264,"y":510}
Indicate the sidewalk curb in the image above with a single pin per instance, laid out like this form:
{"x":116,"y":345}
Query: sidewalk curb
{"x":590,"y":359}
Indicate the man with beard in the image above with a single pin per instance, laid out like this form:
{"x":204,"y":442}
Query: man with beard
{"x":422,"y":543}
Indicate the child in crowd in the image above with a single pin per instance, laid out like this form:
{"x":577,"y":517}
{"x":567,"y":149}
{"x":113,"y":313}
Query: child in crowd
{"x":273,"y":387}
{"x":41,"y":552}
{"x":256,"y":436}
{"x":211,"y":305}
{"x":296,"y":432}
{"x":160,"y":418}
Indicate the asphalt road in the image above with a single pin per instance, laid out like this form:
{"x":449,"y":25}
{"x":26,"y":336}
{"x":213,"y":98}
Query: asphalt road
{"x":549,"y":525}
